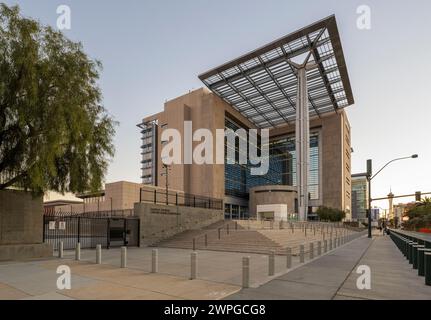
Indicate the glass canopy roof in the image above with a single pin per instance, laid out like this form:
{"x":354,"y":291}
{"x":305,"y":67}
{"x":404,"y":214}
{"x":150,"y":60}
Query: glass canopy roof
{"x":262,"y":84}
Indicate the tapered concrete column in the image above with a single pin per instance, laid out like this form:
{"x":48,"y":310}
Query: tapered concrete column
{"x":246,"y":272}
{"x":61,"y":250}
{"x":301,"y":253}
{"x":302,"y":142}
{"x":271,"y":263}
{"x":194,"y":265}
{"x":154,"y":261}
{"x":123,"y":257}
{"x":78,"y":252}
{"x":288,"y":258}
{"x":99,"y":254}
{"x":311,"y":250}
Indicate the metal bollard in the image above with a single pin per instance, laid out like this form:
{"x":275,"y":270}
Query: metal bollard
{"x":219,"y":231}
{"x":311,"y":250}
{"x":99,"y":254}
{"x":78,"y":252}
{"x":236,"y":225}
{"x":194,"y":265}
{"x":288,"y":258}
{"x":271,"y":263}
{"x":246,"y":272}
{"x":427,"y":265}
{"x":330,"y":244}
{"x":194,"y":244}
{"x":421,"y":261}
{"x":301,"y":253}
{"x":415,"y":255}
{"x":60,"y":250}
{"x":410,"y":251}
{"x":206,"y":240}
{"x":227,"y":228}
{"x":154,"y":261}
{"x":319,"y":248}
{"x":123,"y":257}
{"x":325,"y":246}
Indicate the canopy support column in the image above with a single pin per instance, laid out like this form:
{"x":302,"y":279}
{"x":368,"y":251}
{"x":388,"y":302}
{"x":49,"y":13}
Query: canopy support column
{"x":302,"y":143}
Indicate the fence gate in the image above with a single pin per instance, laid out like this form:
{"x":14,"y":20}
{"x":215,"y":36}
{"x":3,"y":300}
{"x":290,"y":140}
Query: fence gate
{"x":90,"y":231}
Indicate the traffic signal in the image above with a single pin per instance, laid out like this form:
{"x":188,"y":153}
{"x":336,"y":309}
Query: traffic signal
{"x":369,"y":168}
{"x":418,"y":196}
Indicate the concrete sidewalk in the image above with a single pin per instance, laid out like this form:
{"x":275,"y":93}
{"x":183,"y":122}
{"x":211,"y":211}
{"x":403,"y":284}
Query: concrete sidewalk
{"x":334,"y":276}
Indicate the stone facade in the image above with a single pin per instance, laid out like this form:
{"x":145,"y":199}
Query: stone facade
{"x":21,"y":226}
{"x":267,"y":195}
{"x":206,"y":110}
{"x":158,"y":222}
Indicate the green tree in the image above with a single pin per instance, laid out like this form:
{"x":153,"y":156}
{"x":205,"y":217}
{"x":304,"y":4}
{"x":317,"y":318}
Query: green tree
{"x":54,"y":133}
{"x":330,"y":214}
{"x":419,"y":216}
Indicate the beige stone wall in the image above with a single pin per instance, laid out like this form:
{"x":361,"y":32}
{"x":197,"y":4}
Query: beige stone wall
{"x":124,"y":194}
{"x":158,"y":222}
{"x":21,"y":218}
{"x":278,"y":195}
{"x":206,"y":110}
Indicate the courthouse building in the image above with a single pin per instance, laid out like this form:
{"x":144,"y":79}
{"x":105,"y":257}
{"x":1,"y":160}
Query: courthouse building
{"x":261,"y":90}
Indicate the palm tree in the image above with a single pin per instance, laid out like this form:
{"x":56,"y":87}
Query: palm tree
{"x":425,"y":202}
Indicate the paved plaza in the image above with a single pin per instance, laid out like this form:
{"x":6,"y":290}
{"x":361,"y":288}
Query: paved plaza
{"x":334,"y":276}
{"x":219,"y":275}
{"x":331,"y":276}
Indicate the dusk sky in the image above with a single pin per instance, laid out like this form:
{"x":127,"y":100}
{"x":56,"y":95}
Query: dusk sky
{"x":153,"y":51}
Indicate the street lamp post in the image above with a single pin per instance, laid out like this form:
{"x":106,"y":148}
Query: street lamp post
{"x":371,"y":177}
{"x":166,"y":174}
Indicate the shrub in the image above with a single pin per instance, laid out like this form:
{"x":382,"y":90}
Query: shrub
{"x":330,"y":214}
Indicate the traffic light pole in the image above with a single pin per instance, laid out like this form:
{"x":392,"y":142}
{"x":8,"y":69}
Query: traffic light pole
{"x":371,"y":177}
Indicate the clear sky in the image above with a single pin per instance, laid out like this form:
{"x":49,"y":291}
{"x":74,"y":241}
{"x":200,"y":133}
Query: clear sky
{"x":154,"y":50}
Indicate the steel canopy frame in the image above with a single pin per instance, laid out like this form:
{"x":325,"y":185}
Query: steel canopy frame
{"x":270,"y":89}
{"x":262,"y":85}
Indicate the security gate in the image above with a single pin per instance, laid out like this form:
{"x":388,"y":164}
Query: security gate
{"x":90,"y":231}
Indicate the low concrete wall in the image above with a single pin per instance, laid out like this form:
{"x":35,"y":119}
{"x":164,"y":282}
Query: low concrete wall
{"x":158,"y":222}
{"x":21,"y":226}
{"x":21,"y":218}
{"x":25,"y":251}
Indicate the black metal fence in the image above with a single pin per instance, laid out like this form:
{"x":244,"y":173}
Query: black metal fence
{"x":180,"y":199}
{"x":89,"y":230}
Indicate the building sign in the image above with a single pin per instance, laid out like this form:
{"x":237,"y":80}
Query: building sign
{"x":52,"y":225}
{"x":62,"y":225}
{"x":163,"y":211}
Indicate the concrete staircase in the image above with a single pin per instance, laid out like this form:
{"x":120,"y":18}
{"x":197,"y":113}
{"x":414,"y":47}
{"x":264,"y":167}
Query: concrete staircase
{"x":245,"y":236}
